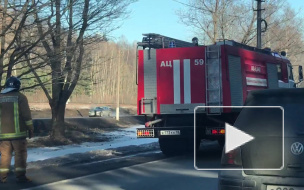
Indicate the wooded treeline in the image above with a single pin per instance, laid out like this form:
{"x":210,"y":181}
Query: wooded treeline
{"x":99,"y":77}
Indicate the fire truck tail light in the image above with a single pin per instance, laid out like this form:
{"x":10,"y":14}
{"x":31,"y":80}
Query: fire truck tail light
{"x":222,"y":131}
{"x":145,"y":133}
{"x":215,"y":131}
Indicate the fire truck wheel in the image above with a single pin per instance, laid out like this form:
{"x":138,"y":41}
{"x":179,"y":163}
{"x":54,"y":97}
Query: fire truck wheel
{"x":190,"y":145}
{"x":172,"y":147}
{"x":221,"y":142}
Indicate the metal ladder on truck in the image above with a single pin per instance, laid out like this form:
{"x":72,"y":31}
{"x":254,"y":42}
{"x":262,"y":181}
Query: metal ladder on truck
{"x":213,"y":79}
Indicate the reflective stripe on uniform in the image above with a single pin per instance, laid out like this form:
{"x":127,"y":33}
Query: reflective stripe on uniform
{"x":6,"y":99}
{"x":0,"y":117}
{"x":17,"y":133}
{"x":13,"y":135}
{"x":29,"y":122}
{"x":16,"y":117}
{"x":20,"y":169}
{"x":4,"y":170}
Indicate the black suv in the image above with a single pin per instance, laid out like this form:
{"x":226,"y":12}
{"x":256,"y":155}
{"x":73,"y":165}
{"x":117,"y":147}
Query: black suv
{"x":266,"y":150}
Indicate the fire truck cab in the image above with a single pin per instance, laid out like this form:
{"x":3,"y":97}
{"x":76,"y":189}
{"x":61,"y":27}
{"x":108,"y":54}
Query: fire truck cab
{"x":174,"y":77}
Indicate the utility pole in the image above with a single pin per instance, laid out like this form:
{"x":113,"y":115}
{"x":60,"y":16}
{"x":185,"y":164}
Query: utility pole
{"x":259,"y":24}
{"x":118,"y":86}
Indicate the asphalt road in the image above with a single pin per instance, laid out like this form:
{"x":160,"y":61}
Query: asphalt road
{"x":174,"y":173}
{"x":143,"y":171}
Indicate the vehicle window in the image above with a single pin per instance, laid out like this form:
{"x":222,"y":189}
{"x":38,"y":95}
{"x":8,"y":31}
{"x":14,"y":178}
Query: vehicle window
{"x":269,"y":121}
{"x":290,"y":74}
{"x":280,"y":76}
{"x":260,"y":121}
{"x":294,"y":119}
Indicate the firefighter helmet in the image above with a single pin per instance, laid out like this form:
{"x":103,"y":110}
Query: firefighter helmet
{"x":195,"y":41}
{"x":11,"y":84}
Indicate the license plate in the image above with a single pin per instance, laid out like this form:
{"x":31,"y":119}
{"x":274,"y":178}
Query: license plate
{"x":170,"y":132}
{"x":275,"y":187}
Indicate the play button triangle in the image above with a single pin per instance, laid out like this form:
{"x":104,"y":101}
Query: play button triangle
{"x":235,"y":138}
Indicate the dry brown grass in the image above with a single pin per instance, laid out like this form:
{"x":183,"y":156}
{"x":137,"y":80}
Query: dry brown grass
{"x":43,"y":110}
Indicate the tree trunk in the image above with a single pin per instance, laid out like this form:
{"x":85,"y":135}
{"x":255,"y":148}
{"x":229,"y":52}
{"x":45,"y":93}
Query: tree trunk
{"x":58,"y":125}
{"x":2,"y":39}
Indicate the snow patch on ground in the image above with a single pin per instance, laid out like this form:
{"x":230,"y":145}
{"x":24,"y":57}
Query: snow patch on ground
{"x":120,"y":138}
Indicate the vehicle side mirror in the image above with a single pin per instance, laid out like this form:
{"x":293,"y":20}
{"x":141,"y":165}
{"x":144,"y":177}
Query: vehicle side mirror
{"x":300,"y":73}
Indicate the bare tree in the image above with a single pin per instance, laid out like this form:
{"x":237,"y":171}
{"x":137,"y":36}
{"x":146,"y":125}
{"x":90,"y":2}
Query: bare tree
{"x":210,"y":19}
{"x":236,"y":20}
{"x":75,"y":21}
{"x":232,"y":19}
{"x":15,"y":36}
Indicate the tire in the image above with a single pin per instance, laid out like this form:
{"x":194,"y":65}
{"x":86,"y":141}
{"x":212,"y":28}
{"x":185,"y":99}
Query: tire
{"x":179,"y":146}
{"x":172,"y":147}
{"x":221,"y":142}
{"x":190,"y":145}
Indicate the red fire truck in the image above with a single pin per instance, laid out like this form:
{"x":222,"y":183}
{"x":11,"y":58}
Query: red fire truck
{"x":174,"y":77}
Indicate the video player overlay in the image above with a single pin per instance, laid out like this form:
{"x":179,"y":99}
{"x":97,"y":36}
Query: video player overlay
{"x":240,"y":138}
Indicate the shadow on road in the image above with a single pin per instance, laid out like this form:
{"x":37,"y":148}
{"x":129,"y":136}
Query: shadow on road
{"x":155,"y":168}
{"x":209,"y":155}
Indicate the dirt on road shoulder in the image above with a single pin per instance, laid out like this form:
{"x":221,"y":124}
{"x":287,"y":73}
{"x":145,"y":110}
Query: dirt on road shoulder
{"x":79,"y":127}
{"x":79,"y":130}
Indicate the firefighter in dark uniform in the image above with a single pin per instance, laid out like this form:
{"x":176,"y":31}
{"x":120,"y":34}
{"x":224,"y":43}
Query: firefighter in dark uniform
{"x":15,"y":125}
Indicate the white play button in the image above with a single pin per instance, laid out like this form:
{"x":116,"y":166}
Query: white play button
{"x":235,"y":138}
